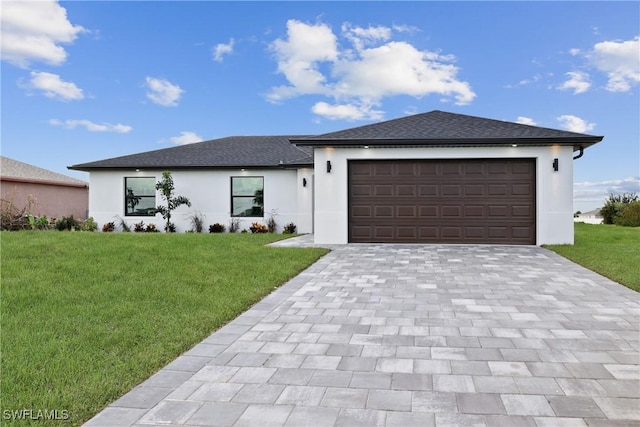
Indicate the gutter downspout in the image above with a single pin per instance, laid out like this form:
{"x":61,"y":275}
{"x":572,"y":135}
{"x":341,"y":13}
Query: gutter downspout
{"x":580,"y":154}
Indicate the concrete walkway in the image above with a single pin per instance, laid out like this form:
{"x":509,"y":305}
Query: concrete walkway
{"x":412,"y":335}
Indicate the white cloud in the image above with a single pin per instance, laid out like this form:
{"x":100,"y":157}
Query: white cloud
{"x":575,"y":124}
{"x":526,"y":121}
{"x":589,"y":195}
{"x":578,"y":82}
{"x":361,"y":37}
{"x":186,"y":137}
{"x":315,"y":63}
{"x":90,"y":126}
{"x":620,"y":60}
{"x":34,"y":31}
{"x":53,"y":86}
{"x":349,"y":112}
{"x":162,"y":92}
{"x":222,"y":49}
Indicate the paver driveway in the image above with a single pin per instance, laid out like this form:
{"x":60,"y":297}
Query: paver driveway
{"x":403,"y":335}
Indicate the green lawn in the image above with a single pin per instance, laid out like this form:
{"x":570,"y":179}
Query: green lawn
{"x":609,"y":250}
{"x":87,"y":316}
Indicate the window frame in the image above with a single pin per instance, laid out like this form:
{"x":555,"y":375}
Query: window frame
{"x":126,"y":206}
{"x":233,"y":197}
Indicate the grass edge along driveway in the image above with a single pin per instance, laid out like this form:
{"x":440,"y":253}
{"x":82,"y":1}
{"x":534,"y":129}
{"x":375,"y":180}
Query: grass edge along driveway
{"x":87,"y":316}
{"x":609,"y":250}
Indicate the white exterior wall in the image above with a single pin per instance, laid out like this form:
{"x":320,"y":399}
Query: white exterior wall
{"x":554,"y":190}
{"x":210,"y":194}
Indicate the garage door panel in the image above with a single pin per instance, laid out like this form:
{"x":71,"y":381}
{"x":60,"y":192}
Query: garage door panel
{"x":428,"y":190}
{"x":361,"y":211}
{"x":442,"y":201}
{"x":383,"y":190}
{"x":406,"y":190}
{"x":521,"y":211}
{"x":521,"y":189}
{"x":384,"y":211}
{"x":406,"y":168}
{"x":363,"y":190}
{"x":474,"y":232}
{"x":451,"y":190}
{"x":497,"y":189}
{"x":451,"y":211}
{"x":409,"y":212}
{"x":407,"y":232}
{"x":429,"y":212}
{"x":383,"y":169}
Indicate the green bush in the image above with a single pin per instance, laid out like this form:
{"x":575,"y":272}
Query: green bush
{"x":614,"y":206}
{"x":68,"y":223}
{"x":289,"y":228}
{"x":630,"y":215}
{"x":89,"y":225}
{"x":216,"y":228}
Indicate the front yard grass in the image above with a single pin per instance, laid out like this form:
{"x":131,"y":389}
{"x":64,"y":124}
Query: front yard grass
{"x":609,"y":250}
{"x":87,"y":316}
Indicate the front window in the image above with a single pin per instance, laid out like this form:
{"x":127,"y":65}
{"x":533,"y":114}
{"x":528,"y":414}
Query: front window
{"x":247,"y":196}
{"x":140,"y":196}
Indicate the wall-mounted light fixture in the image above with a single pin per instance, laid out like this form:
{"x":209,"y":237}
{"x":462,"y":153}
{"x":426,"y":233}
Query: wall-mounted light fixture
{"x":304,"y":182}
{"x":328,"y":166}
{"x":555,"y":165}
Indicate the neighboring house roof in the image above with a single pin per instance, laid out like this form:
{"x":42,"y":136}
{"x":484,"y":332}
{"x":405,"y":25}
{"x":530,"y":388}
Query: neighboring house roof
{"x":439,"y":128}
{"x":230,"y":152}
{"x":13,"y":170}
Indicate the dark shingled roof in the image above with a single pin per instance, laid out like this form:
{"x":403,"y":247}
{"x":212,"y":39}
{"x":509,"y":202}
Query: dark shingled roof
{"x":436,"y":128}
{"x":439,"y":128}
{"x":231,"y":152}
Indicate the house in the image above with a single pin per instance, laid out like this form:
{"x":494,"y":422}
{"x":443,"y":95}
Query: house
{"x":591,"y":217}
{"x":41,"y":191}
{"x":435,"y":177}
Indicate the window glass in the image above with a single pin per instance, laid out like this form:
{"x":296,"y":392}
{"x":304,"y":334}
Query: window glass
{"x":140,"y":196}
{"x":247,"y":196}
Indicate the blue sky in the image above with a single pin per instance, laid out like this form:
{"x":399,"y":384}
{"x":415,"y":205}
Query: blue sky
{"x":84,"y":81}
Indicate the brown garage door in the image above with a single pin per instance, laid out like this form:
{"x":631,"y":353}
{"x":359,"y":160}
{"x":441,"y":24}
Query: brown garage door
{"x":442,"y":201}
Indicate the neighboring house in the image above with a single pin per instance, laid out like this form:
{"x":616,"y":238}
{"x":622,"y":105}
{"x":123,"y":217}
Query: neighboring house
{"x":41,"y":191}
{"x":591,"y":217}
{"x":435,"y":177}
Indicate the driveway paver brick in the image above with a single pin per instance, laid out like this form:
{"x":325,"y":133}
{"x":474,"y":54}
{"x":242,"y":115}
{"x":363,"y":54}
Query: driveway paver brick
{"x":403,"y":335}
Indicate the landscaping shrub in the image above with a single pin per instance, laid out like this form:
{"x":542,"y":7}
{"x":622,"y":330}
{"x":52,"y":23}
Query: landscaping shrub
{"x":614,"y":206}
{"x":138,"y":227}
{"x":289,"y":228}
{"x":630,"y":215}
{"x":89,"y":225}
{"x":68,"y":223}
{"x":197,"y":222}
{"x":37,"y":223}
{"x":123,"y":224}
{"x":271,"y":224}
{"x":151,"y":228}
{"x":234,"y":225}
{"x":216,"y":228}
{"x":109,"y":227}
{"x":256,"y":227}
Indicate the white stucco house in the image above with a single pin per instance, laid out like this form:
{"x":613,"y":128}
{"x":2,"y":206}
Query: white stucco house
{"x":435,"y":177}
{"x":591,"y":217}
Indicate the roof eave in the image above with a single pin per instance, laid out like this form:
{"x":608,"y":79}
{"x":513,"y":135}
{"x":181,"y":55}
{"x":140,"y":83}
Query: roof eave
{"x":187,"y":167}
{"x":577,"y":142}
